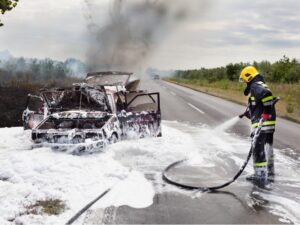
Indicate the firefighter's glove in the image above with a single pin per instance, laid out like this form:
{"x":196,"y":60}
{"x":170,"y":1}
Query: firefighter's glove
{"x":246,"y":114}
{"x":265,"y":116}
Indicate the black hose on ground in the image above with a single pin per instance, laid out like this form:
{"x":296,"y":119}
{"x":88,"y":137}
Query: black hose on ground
{"x":200,"y":188}
{"x":190,"y":187}
{"x":78,"y":214}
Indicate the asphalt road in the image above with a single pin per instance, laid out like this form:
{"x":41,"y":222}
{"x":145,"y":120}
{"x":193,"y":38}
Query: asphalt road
{"x":232,"y":205}
{"x":183,"y":104}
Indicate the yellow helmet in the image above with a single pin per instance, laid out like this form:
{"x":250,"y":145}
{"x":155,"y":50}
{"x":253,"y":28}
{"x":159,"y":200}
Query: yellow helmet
{"x":248,"y":73}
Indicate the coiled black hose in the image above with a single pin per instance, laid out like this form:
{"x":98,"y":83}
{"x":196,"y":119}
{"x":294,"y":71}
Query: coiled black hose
{"x":190,"y":187}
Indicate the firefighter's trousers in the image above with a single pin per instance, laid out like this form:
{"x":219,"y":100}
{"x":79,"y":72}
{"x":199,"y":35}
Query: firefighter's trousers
{"x":263,"y":155}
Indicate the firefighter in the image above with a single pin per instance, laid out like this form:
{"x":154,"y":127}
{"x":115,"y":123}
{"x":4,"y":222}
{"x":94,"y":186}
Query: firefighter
{"x":260,"y":105}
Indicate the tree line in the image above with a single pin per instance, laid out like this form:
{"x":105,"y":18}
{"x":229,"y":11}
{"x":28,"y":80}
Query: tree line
{"x":34,"y":71}
{"x":285,"y":70}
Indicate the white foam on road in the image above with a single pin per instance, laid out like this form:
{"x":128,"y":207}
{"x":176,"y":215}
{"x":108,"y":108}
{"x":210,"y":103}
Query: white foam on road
{"x":135,"y":191}
{"x":131,"y":167}
{"x":27,"y":176}
{"x":31,"y":175}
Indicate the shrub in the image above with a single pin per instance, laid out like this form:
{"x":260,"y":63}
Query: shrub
{"x":293,"y":75}
{"x":290,"y":108}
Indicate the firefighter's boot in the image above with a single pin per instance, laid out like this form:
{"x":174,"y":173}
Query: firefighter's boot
{"x":260,"y":176}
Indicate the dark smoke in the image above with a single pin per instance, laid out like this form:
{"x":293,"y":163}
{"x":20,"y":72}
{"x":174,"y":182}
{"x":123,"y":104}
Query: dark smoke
{"x":132,"y":31}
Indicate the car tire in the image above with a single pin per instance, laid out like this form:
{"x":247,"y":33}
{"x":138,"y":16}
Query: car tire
{"x":113,"y":138}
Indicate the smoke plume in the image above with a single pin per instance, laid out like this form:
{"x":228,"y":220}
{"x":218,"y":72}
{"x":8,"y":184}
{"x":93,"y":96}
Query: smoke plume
{"x":132,"y":30}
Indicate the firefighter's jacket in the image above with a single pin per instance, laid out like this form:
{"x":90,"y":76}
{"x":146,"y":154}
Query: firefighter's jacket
{"x":261,"y":101}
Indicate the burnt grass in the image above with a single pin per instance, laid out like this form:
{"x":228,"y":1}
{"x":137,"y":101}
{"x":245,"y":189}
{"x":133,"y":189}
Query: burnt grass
{"x":50,"y":207}
{"x":13,"y":96}
{"x":12,"y":103}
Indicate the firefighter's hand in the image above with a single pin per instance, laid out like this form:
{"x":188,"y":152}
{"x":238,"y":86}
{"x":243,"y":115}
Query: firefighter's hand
{"x":246,"y":114}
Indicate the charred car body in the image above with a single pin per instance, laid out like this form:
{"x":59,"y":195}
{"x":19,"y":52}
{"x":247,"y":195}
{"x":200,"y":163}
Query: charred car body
{"x":104,"y":109}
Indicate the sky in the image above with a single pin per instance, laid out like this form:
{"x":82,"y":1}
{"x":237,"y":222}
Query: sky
{"x":212,"y":33}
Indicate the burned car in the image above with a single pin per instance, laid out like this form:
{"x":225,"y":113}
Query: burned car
{"x":104,"y":109}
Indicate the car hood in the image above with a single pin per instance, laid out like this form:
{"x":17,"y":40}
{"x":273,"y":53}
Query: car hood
{"x":108,"y":78}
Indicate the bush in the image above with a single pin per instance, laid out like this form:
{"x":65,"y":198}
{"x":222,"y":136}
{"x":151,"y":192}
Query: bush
{"x":293,"y":75}
{"x":290,"y":108}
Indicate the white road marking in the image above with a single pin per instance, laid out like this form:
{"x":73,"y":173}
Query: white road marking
{"x":173,"y":93}
{"x":194,"y":107}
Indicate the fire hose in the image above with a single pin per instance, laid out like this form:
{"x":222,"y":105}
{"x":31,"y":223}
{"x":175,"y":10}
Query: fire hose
{"x":212,"y":188}
{"x":80,"y":212}
{"x":86,"y":207}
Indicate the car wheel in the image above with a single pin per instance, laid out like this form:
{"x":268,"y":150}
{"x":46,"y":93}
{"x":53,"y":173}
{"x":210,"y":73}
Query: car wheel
{"x":113,"y":139}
